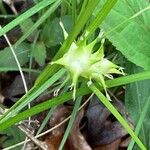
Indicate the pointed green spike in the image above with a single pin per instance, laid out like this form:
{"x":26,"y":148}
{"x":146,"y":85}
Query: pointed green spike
{"x":90,"y":46}
{"x":64,"y":31}
{"x":74,"y":84}
{"x":102,"y":82}
{"x":80,"y":61}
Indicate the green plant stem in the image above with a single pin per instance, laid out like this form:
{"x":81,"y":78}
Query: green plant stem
{"x":74,"y":10}
{"x":114,"y":111}
{"x":140,"y":122}
{"x":16,"y":69}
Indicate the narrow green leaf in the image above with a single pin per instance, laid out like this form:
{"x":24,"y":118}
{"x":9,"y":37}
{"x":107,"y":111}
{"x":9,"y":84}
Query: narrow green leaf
{"x":5,"y":69}
{"x":45,"y":121}
{"x":31,"y":95}
{"x":25,"y":15}
{"x":140,"y":123}
{"x":39,"y":108}
{"x":101,"y":16}
{"x":71,"y":121}
{"x":114,"y":111}
{"x":39,"y":22}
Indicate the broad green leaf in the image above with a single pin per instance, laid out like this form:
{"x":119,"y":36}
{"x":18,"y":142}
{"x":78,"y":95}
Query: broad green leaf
{"x":132,"y":37}
{"x":25,"y":27}
{"x":136,"y":97}
{"x":52,"y":33}
{"x":7,"y":58}
{"x":39,"y":53}
{"x":13,"y":136}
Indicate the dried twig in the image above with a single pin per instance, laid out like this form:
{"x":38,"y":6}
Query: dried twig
{"x":32,"y":138}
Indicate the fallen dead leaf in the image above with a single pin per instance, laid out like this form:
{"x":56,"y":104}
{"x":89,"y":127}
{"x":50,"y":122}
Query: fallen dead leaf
{"x":76,"y":139}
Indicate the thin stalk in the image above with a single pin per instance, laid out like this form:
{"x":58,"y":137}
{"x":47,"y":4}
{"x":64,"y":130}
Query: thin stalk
{"x":21,"y":73}
{"x":45,"y":121}
{"x":16,"y":69}
{"x":17,"y":61}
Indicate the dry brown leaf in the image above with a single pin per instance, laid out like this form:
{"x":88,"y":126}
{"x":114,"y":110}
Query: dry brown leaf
{"x":76,"y":139}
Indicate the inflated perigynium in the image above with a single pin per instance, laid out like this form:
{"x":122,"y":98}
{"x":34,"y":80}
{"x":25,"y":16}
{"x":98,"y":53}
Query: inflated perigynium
{"x":80,"y":61}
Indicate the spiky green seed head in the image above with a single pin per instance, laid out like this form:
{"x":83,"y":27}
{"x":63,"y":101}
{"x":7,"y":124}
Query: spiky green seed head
{"x":80,"y":61}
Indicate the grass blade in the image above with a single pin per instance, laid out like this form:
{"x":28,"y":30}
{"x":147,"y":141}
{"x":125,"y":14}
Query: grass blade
{"x":45,"y":121}
{"x":26,"y":15}
{"x":67,"y":96}
{"x":39,"y":22}
{"x":40,"y":107}
{"x":71,"y":121}
{"x":31,"y":95}
{"x":101,"y":16}
{"x":114,"y":111}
